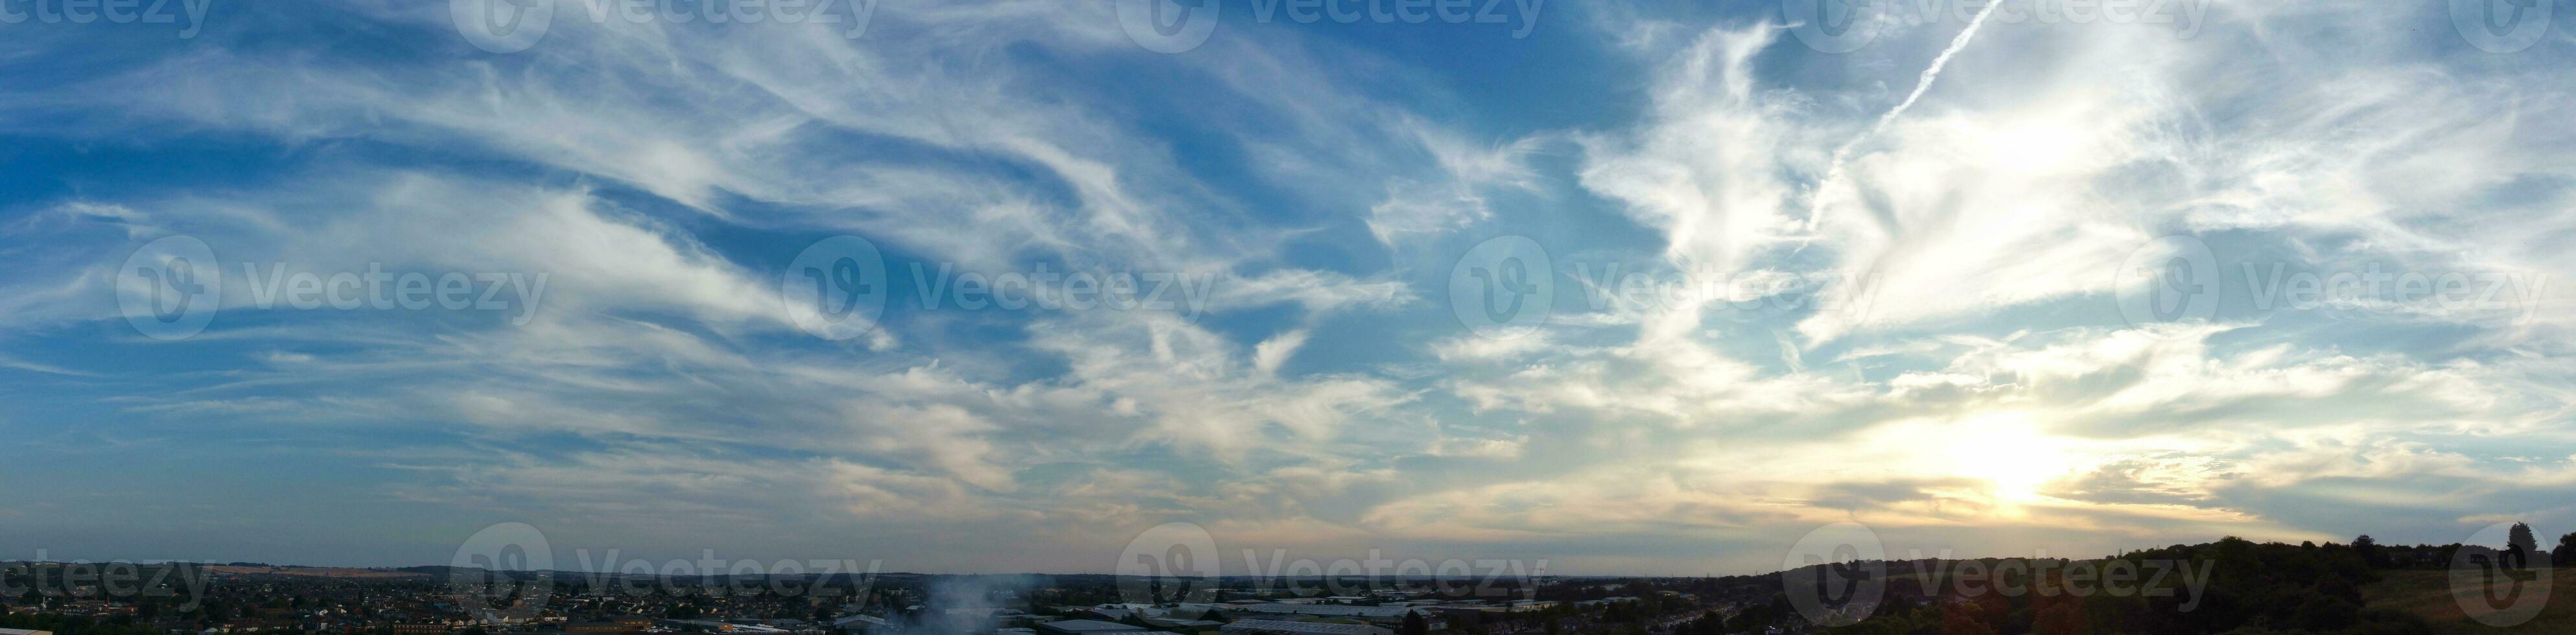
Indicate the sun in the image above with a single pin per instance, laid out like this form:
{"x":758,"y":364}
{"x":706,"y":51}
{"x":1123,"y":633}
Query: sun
{"x":2010,"y":453}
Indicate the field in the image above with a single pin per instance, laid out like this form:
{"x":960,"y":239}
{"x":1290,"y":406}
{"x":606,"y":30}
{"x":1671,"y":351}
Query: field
{"x":2429,"y":593}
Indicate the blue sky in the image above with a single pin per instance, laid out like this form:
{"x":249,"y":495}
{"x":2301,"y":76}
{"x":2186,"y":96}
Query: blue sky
{"x":1944,"y":233}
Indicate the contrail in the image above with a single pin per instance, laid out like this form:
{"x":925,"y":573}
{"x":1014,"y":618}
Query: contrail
{"x":1834,"y":170}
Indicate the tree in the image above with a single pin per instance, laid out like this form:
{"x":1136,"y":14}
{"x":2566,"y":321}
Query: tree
{"x":1415,"y":625}
{"x":2062,"y":619}
{"x":2518,"y":541}
{"x":1958,"y":621}
{"x":2565,"y":554}
{"x":2369,"y":550}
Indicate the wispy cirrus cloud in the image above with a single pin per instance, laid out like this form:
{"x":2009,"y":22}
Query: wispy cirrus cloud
{"x":1974,"y":378}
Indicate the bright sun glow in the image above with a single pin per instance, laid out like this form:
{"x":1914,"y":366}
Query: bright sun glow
{"x":2010,"y":453}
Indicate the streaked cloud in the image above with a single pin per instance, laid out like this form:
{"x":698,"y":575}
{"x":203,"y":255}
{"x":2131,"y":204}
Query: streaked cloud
{"x":1968,"y":380}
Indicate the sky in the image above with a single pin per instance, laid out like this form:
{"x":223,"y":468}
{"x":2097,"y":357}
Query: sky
{"x":1003,"y":286}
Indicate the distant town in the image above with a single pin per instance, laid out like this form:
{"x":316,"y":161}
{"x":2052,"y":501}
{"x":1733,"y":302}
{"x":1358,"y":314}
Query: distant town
{"x":2228,"y":586}
{"x":252,"y":598}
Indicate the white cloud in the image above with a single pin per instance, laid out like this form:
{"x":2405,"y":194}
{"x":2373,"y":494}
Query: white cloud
{"x":1985,"y":383}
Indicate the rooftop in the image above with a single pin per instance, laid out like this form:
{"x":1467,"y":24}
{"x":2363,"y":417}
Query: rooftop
{"x":1326,"y":609}
{"x":1284,"y":626}
{"x":1089,"y":626}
